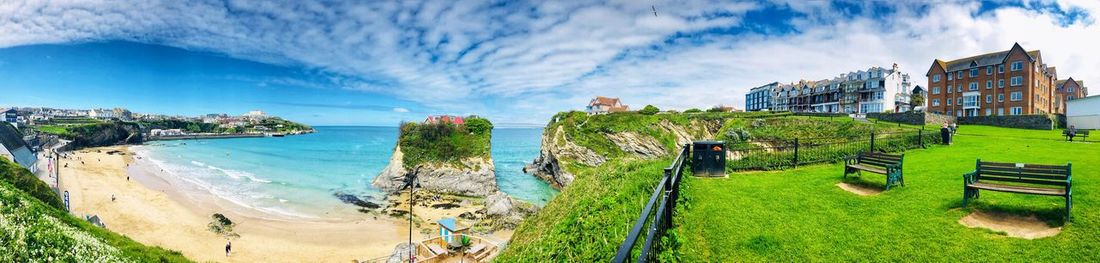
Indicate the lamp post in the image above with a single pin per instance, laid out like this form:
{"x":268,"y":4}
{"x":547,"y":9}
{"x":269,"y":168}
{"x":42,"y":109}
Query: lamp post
{"x":411,"y":183}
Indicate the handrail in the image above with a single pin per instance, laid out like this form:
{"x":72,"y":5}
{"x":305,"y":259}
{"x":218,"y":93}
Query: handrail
{"x":667,"y":191}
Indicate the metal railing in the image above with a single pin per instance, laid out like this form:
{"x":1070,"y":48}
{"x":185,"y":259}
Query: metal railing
{"x":773,"y":155}
{"x":664,"y":197}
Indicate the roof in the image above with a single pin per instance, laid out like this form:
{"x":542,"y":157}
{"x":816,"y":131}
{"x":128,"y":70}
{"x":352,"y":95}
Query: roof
{"x":12,"y":140}
{"x":982,"y":60}
{"x":450,"y":224}
{"x":600,"y":100}
{"x":10,"y":137}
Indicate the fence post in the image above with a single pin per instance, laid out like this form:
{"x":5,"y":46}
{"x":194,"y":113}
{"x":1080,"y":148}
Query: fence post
{"x":872,"y":141}
{"x":795,"y":152}
{"x":920,"y":138}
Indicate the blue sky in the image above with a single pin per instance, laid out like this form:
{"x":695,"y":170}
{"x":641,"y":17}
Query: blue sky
{"x":516,"y":62}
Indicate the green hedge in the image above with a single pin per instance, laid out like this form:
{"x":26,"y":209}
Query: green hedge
{"x":444,"y":142}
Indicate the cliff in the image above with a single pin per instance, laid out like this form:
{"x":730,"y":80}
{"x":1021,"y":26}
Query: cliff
{"x":447,"y":159}
{"x":104,"y":134}
{"x":574,"y":139}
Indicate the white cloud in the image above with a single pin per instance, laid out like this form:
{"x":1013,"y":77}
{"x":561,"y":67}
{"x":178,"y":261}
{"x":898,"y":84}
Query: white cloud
{"x":400,"y":110}
{"x":522,"y":62}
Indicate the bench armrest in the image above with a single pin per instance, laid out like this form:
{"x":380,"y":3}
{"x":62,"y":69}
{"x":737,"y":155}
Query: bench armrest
{"x":970,"y":177}
{"x":851,"y":159}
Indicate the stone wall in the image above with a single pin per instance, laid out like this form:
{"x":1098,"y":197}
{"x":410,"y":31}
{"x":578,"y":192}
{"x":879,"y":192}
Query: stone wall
{"x":913,"y":118}
{"x":1037,"y":122}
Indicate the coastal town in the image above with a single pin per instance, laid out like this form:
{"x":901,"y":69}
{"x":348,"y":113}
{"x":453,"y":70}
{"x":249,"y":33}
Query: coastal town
{"x":549,"y":131}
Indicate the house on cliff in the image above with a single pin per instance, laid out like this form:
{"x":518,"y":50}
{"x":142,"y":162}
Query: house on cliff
{"x":603,"y":105}
{"x":15,"y":149}
{"x":457,"y":120}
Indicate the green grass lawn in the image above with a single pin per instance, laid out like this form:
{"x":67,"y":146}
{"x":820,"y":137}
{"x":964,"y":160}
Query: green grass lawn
{"x":801,"y":215}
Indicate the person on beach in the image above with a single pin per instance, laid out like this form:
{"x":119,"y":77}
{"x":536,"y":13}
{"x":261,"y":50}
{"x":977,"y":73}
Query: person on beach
{"x":228,"y":247}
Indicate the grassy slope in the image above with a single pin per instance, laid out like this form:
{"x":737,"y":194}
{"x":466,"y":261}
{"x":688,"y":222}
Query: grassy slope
{"x":445,"y":143}
{"x":591,"y":217}
{"x":37,"y":230}
{"x":800,"y":215}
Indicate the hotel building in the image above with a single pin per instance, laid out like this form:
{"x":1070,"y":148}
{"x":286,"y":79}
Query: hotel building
{"x":1011,"y":82}
{"x":873,"y":90}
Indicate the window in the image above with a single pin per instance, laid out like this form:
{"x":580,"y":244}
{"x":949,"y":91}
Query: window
{"x":950,"y":76}
{"x":973,"y":86}
{"x":1070,"y":97}
{"x":970,"y":101}
{"x":1017,"y":81}
{"x":989,"y":70}
{"x":988,"y":98}
{"x":959,"y":113}
{"x":948,"y":101}
{"x":988,"y":112}
{"x":935,"y":90}
{"x":974,"y":72}
{"x":1017,"y":110}
{"x":959,"y":88}
{"x":1017,"y":65}
{"x":959,"y":101}
{"x":1001,"y":68}
{"x":1017,"y":96}
{"x":1001,"y":111}
{"x":1069,"y":89}
{"x":950,"y":88}
{"x":959,"y":74}
{"x":1000,"y":83}
{"x":935,"y":102}
{"x":936,"y":78}
{"x":1036,"y":82}
{"x":1001,"y":97}
{"x":988,"y":84}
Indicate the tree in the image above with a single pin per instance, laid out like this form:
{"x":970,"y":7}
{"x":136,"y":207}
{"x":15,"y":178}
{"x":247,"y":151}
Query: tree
{"x":649,"y":110}
{"x":916,"y":100}
{"x":715,"y":109}
{"x":693,"y":111}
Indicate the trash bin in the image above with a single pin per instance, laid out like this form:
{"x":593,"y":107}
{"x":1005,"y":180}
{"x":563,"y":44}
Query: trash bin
{"x":945,"y":134}
{"x":708,"y":158}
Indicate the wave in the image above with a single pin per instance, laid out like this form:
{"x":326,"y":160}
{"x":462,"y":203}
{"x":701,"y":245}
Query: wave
{"x":235,"y":174}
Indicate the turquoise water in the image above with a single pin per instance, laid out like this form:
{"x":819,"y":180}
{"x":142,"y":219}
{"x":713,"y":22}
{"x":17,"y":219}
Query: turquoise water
{"x":299,"y":175}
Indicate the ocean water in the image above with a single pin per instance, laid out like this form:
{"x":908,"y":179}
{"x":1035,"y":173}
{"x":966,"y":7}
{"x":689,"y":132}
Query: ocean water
{"x":299,"y":175}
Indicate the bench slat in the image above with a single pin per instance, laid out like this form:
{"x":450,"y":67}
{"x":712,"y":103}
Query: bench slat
{"x":876,"y":163}
{"x":873,"y":169}
{"x":1024,"y":175}
{"x":883,"y":156}
{"x":1026,"y":165}
{"x":1019,"y":189}
{"x":982,"y":178}
{"x":1061,"y":171}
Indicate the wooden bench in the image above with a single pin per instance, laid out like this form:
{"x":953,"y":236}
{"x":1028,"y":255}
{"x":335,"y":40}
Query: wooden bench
{"x":877,"y":162}
{"x":1084,"y":134}
{"x":1034,"y":179}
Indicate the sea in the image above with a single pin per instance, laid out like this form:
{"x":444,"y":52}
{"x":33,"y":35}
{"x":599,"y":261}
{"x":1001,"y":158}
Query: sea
{"x":296,"y":175}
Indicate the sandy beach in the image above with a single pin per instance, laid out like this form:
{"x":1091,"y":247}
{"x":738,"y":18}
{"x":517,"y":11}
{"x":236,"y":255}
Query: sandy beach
{"x":154,"y":211}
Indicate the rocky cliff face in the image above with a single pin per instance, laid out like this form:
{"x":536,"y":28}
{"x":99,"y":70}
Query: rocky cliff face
{"x":106,"y":134}
{"x":473,"y":177}
{"x":554,"y":146}
{"x":558,"y":148}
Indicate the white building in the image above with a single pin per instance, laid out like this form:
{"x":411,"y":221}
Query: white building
{"x":255,"y":114}
{"x":876,"y":89}
{"x":1084,"y":113}
{"x":15,"y":149}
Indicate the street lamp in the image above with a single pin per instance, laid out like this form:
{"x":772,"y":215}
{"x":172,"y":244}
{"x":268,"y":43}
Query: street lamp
{"x":411,"y":182}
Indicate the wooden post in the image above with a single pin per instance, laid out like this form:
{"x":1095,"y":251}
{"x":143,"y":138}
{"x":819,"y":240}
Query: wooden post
{"x":920,"y":137}
{"x":872,"y":141}
{"x":795,"y":152}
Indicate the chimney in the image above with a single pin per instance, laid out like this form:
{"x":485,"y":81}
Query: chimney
{"x":895,"y":67}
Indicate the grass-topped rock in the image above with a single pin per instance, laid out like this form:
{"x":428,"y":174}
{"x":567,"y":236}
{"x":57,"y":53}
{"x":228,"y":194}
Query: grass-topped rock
{"x":448,"y":157}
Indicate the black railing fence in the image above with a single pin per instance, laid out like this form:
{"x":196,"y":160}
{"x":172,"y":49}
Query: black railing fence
{"x":772,"y":155}
{"x":655,"y":223}
{"x":762,"y":156}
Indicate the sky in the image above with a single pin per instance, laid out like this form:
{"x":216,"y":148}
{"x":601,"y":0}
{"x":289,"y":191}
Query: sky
{"x":514,"y":62}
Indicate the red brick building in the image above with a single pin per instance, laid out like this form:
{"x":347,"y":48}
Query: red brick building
{"x":1011,"y":82}
{"x":1066,"y":90}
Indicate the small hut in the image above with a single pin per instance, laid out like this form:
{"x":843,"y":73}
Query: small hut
{"x":450,"y":231}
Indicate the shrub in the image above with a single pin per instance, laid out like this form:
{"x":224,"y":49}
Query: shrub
{"x":649,"y":110}
{"x":693,"y":110}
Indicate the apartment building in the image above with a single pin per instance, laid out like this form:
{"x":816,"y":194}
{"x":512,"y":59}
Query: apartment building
{"x":760,"y":98}
{"x":1010,"y":82}
{"x":876,"y":89}
{"x":1067,"y":90}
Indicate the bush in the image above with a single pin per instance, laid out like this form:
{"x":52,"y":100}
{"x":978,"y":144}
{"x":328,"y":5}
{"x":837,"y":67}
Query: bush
{"x":649,"y":110}
{"x":23,"y":180}
{"x":444,"y":142}
{"x":693,"y":110}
